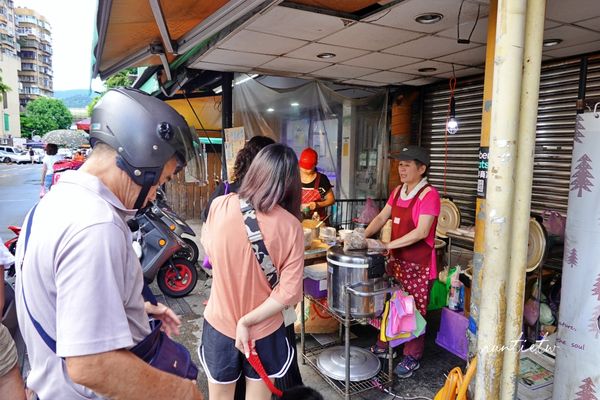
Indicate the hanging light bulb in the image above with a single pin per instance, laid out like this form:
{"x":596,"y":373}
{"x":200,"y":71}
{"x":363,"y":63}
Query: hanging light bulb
{"x":452,"y":125}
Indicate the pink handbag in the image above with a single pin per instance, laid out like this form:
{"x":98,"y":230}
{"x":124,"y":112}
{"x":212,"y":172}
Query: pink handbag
{"x":402,"y":316}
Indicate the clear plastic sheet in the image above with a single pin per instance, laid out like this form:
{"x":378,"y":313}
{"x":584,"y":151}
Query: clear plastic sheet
{"x":349,"y":134}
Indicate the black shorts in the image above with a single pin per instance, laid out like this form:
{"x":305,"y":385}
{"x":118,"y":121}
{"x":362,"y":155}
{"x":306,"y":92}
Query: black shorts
{"x":223,"y":363}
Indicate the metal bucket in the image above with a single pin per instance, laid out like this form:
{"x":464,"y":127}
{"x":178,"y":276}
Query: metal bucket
{"x":362,"y":271}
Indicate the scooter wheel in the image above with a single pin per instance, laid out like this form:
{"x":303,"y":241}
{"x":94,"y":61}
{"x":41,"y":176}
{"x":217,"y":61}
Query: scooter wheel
{"x":12,"y":248}
{"x":177,"y":279}
{"x":192,"y":254}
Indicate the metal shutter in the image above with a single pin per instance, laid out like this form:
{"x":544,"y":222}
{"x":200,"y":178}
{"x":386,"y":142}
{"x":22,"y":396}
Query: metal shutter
{"x":554,"y":138}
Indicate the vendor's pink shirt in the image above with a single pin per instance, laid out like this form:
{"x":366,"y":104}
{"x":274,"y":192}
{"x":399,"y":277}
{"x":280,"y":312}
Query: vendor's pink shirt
{"x":428,"y":205}
{"x":239,"y":285}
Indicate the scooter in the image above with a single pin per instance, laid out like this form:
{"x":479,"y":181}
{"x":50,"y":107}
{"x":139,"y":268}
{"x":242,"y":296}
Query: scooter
{"x":9,"y":318}
{"x":157,"y":246}
{"x":11,"y":244}
{"x":180,"y":227}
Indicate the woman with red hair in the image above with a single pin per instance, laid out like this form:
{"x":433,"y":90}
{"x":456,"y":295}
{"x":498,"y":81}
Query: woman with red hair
{"x":317,"y":193}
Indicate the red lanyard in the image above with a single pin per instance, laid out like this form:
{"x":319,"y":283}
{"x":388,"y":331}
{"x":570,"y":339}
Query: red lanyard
{"x":254,"y":360}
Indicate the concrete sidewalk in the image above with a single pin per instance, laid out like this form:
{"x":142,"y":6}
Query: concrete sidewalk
{"x":424,"y":383}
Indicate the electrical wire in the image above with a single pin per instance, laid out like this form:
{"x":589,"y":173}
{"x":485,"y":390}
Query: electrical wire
{"x":377,"y":19}
{"x":452,"y":85}
{"x":468,"y":40}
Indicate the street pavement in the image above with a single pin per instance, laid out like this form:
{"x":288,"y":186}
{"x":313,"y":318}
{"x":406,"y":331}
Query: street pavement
{"x":19,"y":191}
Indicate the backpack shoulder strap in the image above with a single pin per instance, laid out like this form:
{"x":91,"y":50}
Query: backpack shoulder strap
{"x":257,"y":243}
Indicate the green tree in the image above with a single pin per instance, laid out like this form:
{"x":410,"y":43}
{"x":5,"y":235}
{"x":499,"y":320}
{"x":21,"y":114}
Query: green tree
{"x":3,"y":88}
{"x":120,"y":79}
{"x":92,"y":104}
{"x":43,"y":115}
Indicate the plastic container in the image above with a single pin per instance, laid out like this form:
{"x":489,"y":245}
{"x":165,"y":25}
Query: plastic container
{"x":452,"y":335}
{"x":308,"y":238}
{"x":315,"y":280}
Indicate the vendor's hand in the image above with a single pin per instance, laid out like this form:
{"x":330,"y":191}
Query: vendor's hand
{"x":170,"y":320}
{"x":312,"y":205}
{"x":242,"y":338}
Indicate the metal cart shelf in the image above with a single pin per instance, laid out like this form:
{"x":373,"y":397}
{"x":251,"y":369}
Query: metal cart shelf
{"x":345,"y":388}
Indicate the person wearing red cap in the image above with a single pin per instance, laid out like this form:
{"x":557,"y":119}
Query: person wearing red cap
{"x":317,"y":193}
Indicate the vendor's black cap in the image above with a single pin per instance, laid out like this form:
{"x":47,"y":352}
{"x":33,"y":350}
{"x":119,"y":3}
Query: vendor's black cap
{"x":412,"y":153}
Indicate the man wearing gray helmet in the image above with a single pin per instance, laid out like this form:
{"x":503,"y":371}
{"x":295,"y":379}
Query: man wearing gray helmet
{"x":79,"y":282}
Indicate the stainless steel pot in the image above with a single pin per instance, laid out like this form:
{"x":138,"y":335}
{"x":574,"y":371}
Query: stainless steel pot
{"x":363,"y":271}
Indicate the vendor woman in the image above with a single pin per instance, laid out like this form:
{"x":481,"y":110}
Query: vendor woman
{"x":413,"y":208}
{"x":317,"y":193}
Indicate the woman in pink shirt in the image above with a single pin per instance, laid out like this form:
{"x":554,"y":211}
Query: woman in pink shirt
{"x":244,"y":311}
{"x":413,"y":208}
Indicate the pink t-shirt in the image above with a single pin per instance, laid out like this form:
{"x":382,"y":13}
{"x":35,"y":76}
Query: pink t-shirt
{"x":239,"y":285}
{"x":428,"y":205}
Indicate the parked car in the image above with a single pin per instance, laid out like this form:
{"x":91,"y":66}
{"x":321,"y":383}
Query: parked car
{"x":9,"y":149}
{"x":19,"y":158}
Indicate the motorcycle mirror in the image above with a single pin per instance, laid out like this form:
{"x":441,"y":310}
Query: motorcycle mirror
{"x":133,"y":225}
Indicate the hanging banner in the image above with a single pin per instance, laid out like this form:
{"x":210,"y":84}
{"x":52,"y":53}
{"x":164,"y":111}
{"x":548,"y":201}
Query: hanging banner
{"x":577,"y":371}
{"x":235,"y":139}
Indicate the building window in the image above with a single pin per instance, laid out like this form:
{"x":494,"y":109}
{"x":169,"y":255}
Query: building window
{"x":28,"y":55}
{"x":6,"y":123}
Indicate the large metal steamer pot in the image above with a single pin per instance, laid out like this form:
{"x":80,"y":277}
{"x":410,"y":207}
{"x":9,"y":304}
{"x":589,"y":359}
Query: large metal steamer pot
{"x":361,"y":270}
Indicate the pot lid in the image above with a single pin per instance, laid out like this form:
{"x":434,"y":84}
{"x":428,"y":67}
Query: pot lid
{"x":363,"y":364}
{"x":352,"y":258}
{"x":448,"y":219}
{"x":536,"y":245}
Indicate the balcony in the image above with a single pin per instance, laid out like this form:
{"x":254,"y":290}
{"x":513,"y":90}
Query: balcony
{"x":30,"y":90}
{"x":29,"y":44}
{"x":8,"y":41}
{"x":28,"y":67}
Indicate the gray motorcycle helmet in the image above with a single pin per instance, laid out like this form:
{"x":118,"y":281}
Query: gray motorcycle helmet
{"x":146,"y":133}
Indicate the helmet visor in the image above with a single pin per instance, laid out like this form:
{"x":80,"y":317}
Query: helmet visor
{"x":188,"y":152}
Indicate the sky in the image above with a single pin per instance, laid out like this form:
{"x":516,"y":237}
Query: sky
{"x":72,"y":23}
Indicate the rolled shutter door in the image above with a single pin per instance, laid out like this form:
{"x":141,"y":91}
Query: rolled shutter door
{"x":554,"y":138}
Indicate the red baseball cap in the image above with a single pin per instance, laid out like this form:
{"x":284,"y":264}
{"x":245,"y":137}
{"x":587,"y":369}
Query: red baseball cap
{"x":308,"y":158}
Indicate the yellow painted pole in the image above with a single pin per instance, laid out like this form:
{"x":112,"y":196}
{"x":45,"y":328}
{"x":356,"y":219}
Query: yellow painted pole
{"x":478,"y":246}
{"x":508,"y":61}
{"x":532,"y":63}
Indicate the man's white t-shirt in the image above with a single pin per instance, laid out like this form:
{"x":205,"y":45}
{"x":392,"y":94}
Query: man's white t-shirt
{"x":82,"y":282}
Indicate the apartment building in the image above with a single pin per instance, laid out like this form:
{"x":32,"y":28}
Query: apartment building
{"x":34,"y":39}
{"x":10,"y":64}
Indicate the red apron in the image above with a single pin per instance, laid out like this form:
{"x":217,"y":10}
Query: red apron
{"x":410,"y":264}
{"x":313,"y":194}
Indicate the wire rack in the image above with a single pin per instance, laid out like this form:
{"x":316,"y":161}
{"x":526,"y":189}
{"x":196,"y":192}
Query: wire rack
{"x":382,"y":379}
{"x":338,"y":317}
{"x":310,"y":354}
